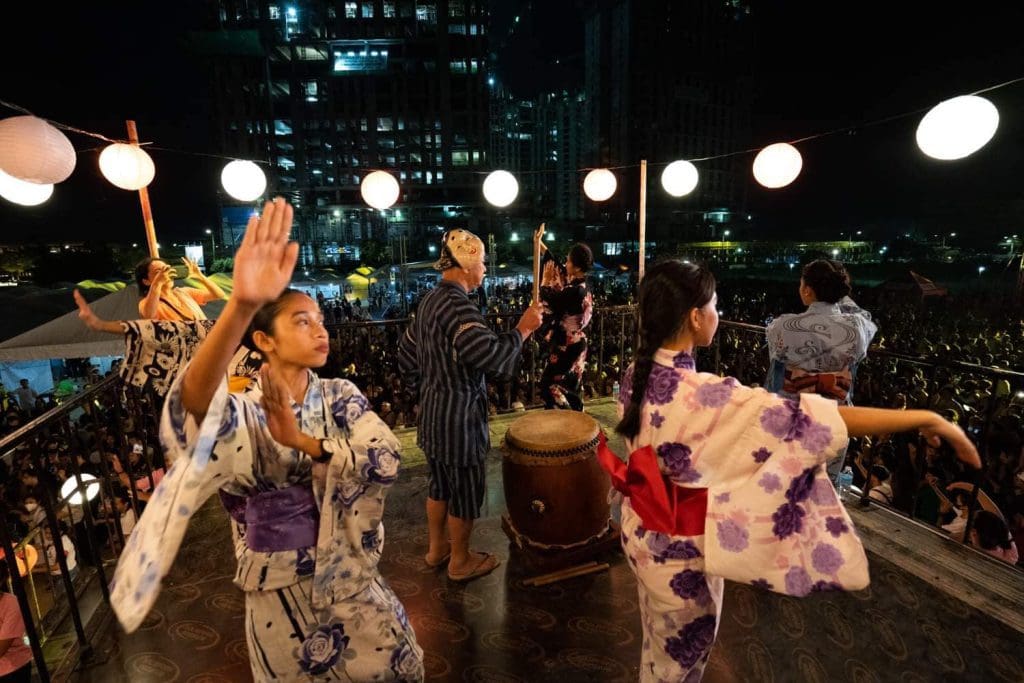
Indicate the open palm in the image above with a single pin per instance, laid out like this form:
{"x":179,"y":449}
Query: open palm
{"x":265,"y":260}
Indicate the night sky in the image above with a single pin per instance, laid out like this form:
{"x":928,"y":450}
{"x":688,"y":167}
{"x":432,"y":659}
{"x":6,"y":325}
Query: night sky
{"x":820,"y":66}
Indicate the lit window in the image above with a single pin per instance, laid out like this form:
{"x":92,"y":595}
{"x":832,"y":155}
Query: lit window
{"x":426,"y":12}
{"x":455,"y":8}
{"x":350,"y":10}
{"x":458,"y":66}
{"x":460,"y":158}
{"x":367,"y":10}
{"x":274,"y":12}
{"x":384,"y":123}
{"x":612,"y":248}
{"x":440,"y":176}
{"x":389,"y":10}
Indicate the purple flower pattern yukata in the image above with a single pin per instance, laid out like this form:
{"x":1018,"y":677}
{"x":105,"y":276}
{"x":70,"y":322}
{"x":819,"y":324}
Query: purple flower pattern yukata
{"x":774,"y":520}
{"x":320,"y":612}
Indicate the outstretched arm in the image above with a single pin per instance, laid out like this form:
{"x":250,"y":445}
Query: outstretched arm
{"x":93,"y":321}
{"x":193,"y":272}
{"x":263,"y":268}
{"x":877,"y":421}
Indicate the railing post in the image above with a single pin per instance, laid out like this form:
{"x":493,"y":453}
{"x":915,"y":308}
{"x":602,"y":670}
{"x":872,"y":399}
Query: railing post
{"x":19,"y":593}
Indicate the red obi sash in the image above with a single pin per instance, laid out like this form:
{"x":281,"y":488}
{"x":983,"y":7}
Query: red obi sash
{"x":661,"y":505}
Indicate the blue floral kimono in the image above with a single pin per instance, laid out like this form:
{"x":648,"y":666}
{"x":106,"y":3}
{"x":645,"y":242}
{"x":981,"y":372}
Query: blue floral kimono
{"x":769,"y":515}
{"x":308,"y":536}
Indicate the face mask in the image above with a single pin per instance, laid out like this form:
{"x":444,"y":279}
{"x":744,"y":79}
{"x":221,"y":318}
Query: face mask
{"x":31,"y":507}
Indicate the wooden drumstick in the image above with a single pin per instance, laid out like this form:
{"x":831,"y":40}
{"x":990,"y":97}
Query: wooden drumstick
{"x":571,"y":572}
{"x":536,"y":264}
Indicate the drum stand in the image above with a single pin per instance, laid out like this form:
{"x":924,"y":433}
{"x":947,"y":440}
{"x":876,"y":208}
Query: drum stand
{"x":539,"y":557}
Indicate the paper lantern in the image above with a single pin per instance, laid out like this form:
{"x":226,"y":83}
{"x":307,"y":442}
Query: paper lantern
{"x":379,"y":189}
{"x":501,"y":188}
{"x":33,"y":150}
{"x":127,"y":166}
{"x":24,"y":193}
{"x":777,"y":165}
{"x":71,"y":492}
{"x":26,"y":559}
{"x":243,"y":180}
{"x":679,"y":178}
{"x":599,"y":184}
{"x":957,"y":128}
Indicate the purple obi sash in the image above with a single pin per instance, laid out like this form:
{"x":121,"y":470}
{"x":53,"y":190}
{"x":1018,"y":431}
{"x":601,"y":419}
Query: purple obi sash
{"x":282,"y":519}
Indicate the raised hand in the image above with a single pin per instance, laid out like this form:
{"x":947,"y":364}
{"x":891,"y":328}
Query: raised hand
{"x":265,"y":260}
{"x":276,"y":402}
{"x":93,"y":321}
{"x":193,"y":267}
{"x":538,"y":235}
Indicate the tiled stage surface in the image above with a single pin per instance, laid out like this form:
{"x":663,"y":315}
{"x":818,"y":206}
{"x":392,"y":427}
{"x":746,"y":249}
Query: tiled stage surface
{"x":584,"y":629}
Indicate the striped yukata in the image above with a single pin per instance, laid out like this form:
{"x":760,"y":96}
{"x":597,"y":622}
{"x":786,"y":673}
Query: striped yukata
{"x":445,"y":353}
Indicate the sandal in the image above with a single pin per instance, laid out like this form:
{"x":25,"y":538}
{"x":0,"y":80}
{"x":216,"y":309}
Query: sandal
{"x":440,"y":563}
{"x":487,"y":564}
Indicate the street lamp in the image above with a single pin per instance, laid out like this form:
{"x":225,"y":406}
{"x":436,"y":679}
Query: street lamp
{"x":981,"y":269}
{"x":213,"y":249}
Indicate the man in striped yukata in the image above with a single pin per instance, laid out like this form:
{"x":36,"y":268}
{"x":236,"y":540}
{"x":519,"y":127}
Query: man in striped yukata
{"x":445,"y":353}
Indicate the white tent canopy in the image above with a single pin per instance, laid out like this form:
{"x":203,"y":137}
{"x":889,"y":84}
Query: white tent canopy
{"x":68,"y":337}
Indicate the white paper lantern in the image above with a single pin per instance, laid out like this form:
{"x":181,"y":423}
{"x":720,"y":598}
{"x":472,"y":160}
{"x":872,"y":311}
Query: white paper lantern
{"x":379,"y":189}
{"x":501,"y":188}
{"x":777,"y":165}
{"x":90,"y":487}
{"x":957,"y":128}
{"x":33,"y":150}
{"x":679,"y":178}
{"x":24,"y":193}
{"x":127,"y":166}
{"x":599,"y":184}
{"x":243,"y":180}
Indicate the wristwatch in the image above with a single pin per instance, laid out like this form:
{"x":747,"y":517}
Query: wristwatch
{"x":326,"y":449}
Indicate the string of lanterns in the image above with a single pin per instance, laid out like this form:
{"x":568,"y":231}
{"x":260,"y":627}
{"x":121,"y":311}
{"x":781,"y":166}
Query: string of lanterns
{"x":35,"y":155}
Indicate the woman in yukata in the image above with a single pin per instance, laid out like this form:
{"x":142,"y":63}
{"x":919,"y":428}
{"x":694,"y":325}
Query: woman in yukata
{"x":567,"y":298}
{"x":818,"y":351}
{"x":744,"y":468}
{"x":302,"y":466}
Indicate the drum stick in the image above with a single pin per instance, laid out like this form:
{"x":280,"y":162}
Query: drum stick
{"x":536,"y":267}
{"x":559,"y":572}
{"x":570,"y":573}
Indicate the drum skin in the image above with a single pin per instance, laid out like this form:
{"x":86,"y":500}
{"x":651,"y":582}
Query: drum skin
{"x":555,"y":490}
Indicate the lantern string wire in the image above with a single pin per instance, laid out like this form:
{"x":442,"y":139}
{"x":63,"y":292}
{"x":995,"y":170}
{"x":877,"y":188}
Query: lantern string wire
{"x":752,"y":150}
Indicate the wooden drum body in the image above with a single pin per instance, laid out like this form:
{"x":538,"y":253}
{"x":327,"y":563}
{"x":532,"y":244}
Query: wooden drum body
{"x":555,"y":490}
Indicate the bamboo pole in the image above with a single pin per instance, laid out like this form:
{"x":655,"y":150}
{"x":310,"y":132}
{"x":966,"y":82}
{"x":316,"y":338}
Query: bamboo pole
{"x":643,"y":218}
{"x":147,"y":212}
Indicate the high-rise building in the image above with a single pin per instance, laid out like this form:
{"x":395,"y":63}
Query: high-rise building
{"x":668,"y":80}
{"x":541,"y":141}
{"x":330,"y":91}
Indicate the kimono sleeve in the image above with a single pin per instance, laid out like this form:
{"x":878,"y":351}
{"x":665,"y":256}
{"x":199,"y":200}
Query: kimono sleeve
{"x":408,"y":365}
{"x":197,"y":454}
{"x":369,"y":450}
{"x":478,"y":346}
{"x":742,"y":428}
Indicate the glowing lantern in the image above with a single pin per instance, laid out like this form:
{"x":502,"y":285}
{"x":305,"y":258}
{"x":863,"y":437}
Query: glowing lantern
{"x":379,"y":189}
{"x":127,"y":166}
{"x":679,"y":178}
{"x":957,"y":128}
{"x":33,"y":150}
{"x":24,"y":193}
{"x":26,"y":559}
{"x":777,"y":165}
{"x":501,"y":188}
{"x":70,"y":488}
{"x":243,"y":180}
{"x":599,"y":184}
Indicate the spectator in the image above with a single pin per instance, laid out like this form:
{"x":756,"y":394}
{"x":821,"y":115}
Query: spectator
{"x":26,"y":397}
{"x":991,"y":535}
{"x":880,"y":488}
{"x":15,"y":655}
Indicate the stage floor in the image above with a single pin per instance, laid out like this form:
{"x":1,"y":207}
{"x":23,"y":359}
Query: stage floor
{"x":585,"y":629}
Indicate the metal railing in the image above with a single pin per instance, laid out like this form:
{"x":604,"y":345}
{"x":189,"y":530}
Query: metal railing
{"x":77,"y":487}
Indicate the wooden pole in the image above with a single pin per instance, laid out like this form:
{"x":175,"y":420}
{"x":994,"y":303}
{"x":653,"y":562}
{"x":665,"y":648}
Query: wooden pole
{"x":536,"y":265}
{"x":643,"y":218}
{"x":147,"y":212}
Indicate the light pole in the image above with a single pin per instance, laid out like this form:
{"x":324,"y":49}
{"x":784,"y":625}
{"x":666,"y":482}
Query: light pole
{"x":213,"y":249}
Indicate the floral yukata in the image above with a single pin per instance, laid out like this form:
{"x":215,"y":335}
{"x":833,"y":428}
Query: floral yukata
{"x":571,"y":305}
{"x":308,"y":536}
{"x":769,"y":515}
